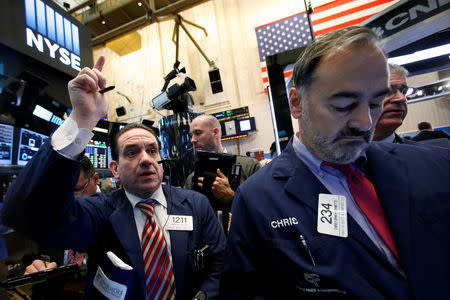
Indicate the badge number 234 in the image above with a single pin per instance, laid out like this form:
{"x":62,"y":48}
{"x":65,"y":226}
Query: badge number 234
{"x":326,"y":213}
{"x":332,"y":215}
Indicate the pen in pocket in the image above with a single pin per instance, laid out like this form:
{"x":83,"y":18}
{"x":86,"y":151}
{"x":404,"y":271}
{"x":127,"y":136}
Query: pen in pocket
{"x":305,"y":246}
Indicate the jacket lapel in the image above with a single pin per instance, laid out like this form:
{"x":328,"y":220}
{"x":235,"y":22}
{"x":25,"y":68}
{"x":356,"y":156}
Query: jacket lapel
{"x":389,"y":174}
{"x":127,"y":234}
{"x":303,"y":185}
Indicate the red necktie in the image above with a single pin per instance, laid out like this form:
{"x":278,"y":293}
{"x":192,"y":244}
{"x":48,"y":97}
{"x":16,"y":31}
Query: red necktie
{"x":160,"y":281}
{"x":366,"y":197}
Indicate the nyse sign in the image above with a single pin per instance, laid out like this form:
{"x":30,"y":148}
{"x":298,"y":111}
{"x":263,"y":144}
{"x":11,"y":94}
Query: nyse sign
{"x":52,"y":34}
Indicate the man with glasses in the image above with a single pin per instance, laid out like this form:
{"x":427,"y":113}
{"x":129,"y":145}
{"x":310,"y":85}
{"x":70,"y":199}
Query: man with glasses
{"x":394,"y":107}
{"x":88,"y":181}
{"x":87,"y":185}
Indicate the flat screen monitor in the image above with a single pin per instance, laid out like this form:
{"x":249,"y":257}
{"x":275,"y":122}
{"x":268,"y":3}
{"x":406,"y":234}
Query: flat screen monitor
{"x":6,"y":144}
{"x":29,"y":143}
{"x":246,"y":125}
{"x":97,"y":151}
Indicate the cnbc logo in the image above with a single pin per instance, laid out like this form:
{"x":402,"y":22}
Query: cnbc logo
{"x":50,"y":33}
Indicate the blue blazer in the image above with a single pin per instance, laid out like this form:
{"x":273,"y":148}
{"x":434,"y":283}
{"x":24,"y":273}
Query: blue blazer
{"x":265,"y":260}
{"x":41,"y":204}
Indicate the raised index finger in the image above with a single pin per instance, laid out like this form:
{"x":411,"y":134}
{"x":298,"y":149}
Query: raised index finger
{"x":100,"y":63}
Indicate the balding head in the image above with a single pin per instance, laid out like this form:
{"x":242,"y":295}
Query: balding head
{"x":206,"y":134}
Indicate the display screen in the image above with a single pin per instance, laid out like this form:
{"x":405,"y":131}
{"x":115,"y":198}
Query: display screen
{"x":245,"y":125}
{"x":97,"y":152}
{"x":29,"y":144}
{"x":6,"y":144}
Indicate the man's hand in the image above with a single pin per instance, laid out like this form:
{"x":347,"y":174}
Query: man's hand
{"x":39,"y":265}
{"x":221,"y":188}
{"x":89,"y":106}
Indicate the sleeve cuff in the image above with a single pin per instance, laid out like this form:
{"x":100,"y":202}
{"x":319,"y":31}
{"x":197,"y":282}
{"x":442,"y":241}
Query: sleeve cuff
{"x":69,"y":140}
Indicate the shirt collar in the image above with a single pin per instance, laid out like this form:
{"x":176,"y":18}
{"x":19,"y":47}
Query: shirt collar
{"x":312,"y":161}
{"x":158,"y":196}
{"x":389,"y":139}
{"x":315,"y":164}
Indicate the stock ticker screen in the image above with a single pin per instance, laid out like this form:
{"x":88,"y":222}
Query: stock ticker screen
{"x":6,"y":144}
{"x":97,"y":152}
{"x":29,"y":144}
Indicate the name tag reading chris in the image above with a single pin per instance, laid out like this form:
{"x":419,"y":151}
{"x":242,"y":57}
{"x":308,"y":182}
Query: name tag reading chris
{"x":332,"y":215}
{"x":179,"y":222}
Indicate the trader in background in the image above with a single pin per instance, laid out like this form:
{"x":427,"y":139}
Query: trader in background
{"x":336,"y":216}
{"x":394,"y":107}
{"x":426,"y":132}
{"x":87,"y":185}
{"x":206,"y":135}
{"x":122,"y":230}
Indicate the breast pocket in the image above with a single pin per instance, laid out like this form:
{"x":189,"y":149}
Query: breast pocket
{"x":311,"y":277}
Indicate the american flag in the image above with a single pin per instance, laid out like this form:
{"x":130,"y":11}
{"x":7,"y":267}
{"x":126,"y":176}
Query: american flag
{"x":293,"y":32}
{"x":285,"y":34}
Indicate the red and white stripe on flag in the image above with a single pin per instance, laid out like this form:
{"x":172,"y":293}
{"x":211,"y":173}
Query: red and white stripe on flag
{"x":343,"y":13}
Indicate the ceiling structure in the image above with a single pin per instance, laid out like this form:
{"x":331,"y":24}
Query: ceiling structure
{"x":109,"y":19}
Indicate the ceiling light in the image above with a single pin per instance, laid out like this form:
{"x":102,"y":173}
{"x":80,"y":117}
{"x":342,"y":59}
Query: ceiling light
{"x":420,"y":55}
{"x":103,"y":22}
{"x":139,"y":3}
{"x":100,"y":129}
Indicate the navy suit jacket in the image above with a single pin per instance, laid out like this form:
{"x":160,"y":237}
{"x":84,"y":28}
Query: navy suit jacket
{"x":265,"y":259}
{"x":41,"y":204}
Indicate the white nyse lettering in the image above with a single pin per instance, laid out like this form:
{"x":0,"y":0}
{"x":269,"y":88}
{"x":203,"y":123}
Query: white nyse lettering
{"x":32,"y":39}
{"x":51,"y":48}
{"x":75,"y":62}
{"x":64,"y":56}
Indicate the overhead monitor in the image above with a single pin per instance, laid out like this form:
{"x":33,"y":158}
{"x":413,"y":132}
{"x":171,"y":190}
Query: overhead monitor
{"x":29,"y":143}
{"x":97,"y":152}
{"x":6,"y":144}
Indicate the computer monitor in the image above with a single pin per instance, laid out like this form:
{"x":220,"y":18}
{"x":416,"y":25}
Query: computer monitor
{"x":29,"y":143}
{"x":246,"y":125}
{"x":97,"y":151}
{"x":6,"y":144}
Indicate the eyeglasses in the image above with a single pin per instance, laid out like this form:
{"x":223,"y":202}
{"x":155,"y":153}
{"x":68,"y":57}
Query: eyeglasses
{"x":395,"y":88}
{"x":80,"y":191}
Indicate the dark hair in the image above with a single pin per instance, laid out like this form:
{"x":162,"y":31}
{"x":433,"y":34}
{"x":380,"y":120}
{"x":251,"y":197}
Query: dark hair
{"x":87,"y":167}
{"x":337,"y":41}
{"x":114,"y":142}
{"x":424,"y":125}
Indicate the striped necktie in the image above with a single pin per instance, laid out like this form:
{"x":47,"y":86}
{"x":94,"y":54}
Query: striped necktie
{"x":160,"y":281}
{"x":366,"y":197}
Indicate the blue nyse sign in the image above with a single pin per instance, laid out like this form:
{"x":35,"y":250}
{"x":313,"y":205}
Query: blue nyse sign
{"x":49,"y":32}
